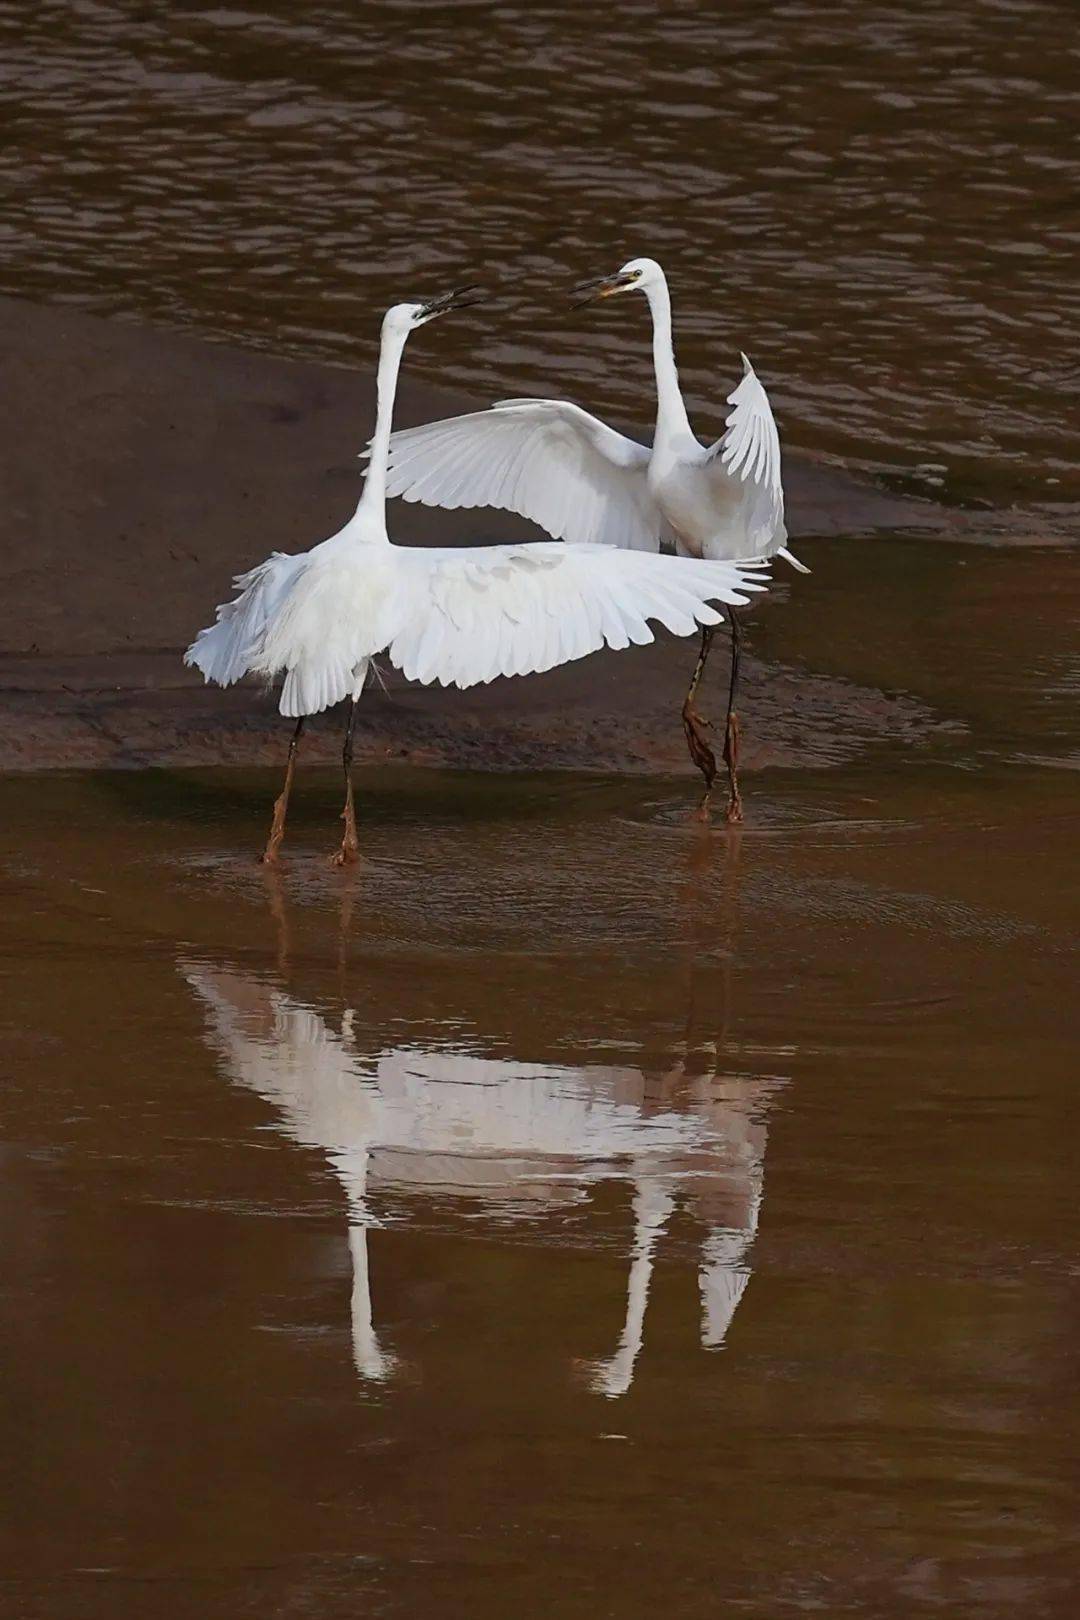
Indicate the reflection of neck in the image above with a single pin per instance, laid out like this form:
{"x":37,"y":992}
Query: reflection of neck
{"x":671,"y":418}
{"x":369,"y":1358}
{"x":371,"y":512}
{"x":653,"y":1204}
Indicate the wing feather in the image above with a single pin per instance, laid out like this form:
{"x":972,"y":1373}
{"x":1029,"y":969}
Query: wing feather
{"x":749,"y":455}
{"x":223,"y":652}
{"x":546,"y":459}
{"x":532,"y":607}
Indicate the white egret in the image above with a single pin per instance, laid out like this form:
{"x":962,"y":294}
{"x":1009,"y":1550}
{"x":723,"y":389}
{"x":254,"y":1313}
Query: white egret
{"x":454,"y":616}
{"x":582,"y":481}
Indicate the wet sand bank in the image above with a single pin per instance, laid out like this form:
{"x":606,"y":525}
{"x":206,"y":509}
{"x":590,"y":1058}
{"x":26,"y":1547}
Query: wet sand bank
{"x":140,"y":470}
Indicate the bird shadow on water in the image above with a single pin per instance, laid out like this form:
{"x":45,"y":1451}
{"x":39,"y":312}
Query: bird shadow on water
{"x":243,"y":796}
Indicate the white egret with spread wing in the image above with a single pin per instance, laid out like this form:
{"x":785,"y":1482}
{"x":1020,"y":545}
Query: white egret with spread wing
{"x":453,"y":616}
{"x":582,"y":481}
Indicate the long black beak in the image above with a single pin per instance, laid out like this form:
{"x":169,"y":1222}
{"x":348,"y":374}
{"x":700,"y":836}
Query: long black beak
{"x":460,"y":298}
{"x":586,"y":292}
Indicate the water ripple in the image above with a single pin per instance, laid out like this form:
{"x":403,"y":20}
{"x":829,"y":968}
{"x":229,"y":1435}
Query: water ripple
{"x":878,"y":203}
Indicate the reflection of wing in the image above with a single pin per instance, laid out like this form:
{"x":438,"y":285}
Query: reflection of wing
{"x":507,"y":1133}
{"x":446,"y":1121}
{"x":475,"y":1108}
{"x":544,"y":458}
{"x":722,"y":1280}
{"x":728,"y":1203}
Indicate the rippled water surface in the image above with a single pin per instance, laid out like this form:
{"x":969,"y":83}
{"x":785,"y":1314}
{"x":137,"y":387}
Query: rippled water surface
{"x":879,"y":201}
{"x":572,"y":1211}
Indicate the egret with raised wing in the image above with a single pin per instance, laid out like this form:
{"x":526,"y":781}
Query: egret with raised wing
{"x":447,"y":615}
{"x":584,"y":482}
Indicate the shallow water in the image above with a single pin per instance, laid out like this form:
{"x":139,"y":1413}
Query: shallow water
{"x":573,"y":1211}
{"x":877,"y":202}
{"x":570,"y":1211}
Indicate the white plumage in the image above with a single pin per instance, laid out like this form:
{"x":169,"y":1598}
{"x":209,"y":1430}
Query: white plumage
{"x":458,"y":617}
{"x":579,"y":479}
{"x":544,"y":458}
{"x":223,"y":651}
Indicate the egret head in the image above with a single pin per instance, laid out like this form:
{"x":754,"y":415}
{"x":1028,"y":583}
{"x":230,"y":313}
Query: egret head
{"x":403,"y":318}
{"x":637,"y":275}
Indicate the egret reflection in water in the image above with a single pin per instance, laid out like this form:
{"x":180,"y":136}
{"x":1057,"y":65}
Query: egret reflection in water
{"x":511,"y":1136}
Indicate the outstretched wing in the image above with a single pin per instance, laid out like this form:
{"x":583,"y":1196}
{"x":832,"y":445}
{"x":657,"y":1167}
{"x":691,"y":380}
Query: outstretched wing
{"x":749,"y":455}
{"x":543,"y":458}
{"x":469,"y":615}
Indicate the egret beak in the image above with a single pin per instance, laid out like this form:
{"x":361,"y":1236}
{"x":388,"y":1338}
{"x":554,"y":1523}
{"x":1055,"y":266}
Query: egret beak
{"x":586,"y":292}
{"x":460,"y":298}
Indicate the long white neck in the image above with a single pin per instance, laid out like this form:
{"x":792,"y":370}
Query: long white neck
{"x":671,"y":418}
{"x":370,"y":515}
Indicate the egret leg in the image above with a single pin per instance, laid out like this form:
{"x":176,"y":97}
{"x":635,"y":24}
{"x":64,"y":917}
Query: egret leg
{"x":694,"y":726}
{"x":350,"y":844}
{"x":731,"y":730}
{"x":281,"y":803}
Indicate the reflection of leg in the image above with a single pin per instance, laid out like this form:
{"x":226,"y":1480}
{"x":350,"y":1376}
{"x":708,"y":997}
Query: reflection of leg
{"x":694,"y":726}
{"x":731,"y":730}
{"x":653,"y":1205}
{"x":276,"y":896}
{"x":346,"y":900}
{"x":281,"y":803}
{"x":369,"y":1359}
{"x":350,"y":845}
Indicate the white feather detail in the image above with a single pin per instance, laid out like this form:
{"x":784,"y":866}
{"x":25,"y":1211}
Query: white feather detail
{"x":462,"y":617}
{"x":749,"y":453}
{"x":223,"y":651}
{"x":546,"y":459}
{"x":470,"y":615}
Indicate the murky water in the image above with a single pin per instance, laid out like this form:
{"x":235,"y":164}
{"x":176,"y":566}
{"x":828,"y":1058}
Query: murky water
{"x":878,"y":202}
{"x":571,"y":1212}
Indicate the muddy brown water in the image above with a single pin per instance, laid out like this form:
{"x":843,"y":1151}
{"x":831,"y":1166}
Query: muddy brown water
{"x":878,"y":202}
{"x":573,"y":1211}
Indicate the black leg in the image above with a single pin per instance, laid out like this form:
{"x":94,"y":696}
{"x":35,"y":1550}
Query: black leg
{"x":281,"y":803}
{"x":731,"y":730}
{"x":694,"y":726}
{"x":350,"y":844}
